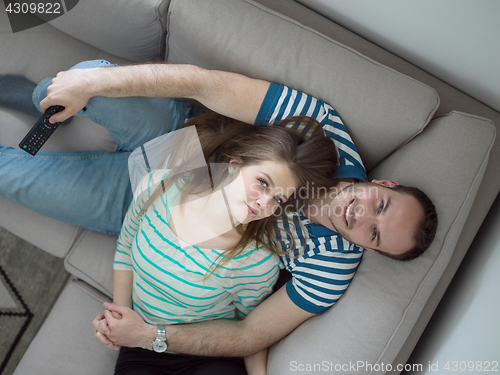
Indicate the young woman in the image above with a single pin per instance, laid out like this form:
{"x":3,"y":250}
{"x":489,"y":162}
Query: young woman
{"x":198,"y":243}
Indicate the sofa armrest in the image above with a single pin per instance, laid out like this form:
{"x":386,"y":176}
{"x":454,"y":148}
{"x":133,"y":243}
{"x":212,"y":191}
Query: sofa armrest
{"x":91,"y":260}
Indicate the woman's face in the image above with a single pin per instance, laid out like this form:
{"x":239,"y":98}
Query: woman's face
{"x":258,"y":190}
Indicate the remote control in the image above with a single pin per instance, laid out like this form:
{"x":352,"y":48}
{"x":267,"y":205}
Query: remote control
{"x":40,"y":132}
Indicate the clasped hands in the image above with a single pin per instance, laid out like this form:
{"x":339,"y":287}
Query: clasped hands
{"x":122,"y":326}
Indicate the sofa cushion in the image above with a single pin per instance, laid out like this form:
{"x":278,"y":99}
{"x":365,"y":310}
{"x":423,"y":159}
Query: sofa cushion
{"x":136,"y":31}
{"x":65,"y":344}
{"x":50,"y":235}
{"x":371,"y":322}
{"x":378,"y":105}
{"x":25,"y":49}
{"x":91,"y":259}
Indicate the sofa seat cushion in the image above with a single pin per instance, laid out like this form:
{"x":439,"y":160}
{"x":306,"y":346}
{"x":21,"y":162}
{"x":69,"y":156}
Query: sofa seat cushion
{"x":69,"y":335}
{"x":378,"y":105}
{"x":50,"y":235}
{"x":379,"y":309}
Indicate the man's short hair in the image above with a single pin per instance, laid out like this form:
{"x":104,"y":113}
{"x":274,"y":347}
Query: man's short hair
{"x":426,"y":231}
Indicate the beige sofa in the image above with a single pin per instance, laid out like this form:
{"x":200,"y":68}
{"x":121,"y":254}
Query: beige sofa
{"x":408,"y":126}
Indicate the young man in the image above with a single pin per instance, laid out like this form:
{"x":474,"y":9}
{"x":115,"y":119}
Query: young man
{"x":340,"y":223}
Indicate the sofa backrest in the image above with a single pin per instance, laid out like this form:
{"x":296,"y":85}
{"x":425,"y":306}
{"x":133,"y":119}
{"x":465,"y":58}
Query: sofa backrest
{"x":379,"y":106}
{"x":137,"y":34}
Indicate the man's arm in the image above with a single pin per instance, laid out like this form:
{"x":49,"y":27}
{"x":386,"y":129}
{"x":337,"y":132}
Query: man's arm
{"x":272,"y":320}
{"x":230,"y":94}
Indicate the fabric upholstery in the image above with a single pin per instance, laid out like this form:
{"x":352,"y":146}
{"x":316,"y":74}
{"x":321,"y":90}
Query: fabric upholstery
{"x":44,"y":51}
{"x":138,"y":34}
{"x":53,"y":236}
{"x":377,"y":104}
{"x":91,"y":259}
{"x":69,"y":335}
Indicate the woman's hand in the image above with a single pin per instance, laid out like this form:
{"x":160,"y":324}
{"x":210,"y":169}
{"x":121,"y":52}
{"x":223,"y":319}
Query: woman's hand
{"x":256,"y":364}
{"x":101,"y":329}
{"x":122,"y":326}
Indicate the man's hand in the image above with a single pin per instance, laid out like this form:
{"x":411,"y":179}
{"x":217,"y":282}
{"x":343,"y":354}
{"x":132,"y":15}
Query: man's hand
{"x":122,"y":326}
{"x":72,"y":89}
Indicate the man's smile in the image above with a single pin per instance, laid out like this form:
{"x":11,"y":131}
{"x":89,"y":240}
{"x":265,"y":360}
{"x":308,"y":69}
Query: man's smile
{"x":347,"y":214}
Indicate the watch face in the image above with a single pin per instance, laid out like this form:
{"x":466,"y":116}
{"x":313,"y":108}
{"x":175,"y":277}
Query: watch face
{"x":159,"y":346}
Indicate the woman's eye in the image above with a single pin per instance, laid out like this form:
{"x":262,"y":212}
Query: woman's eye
{"x":381,"y":207}
{"x":263,"y":183}
{"x":279,"y":200}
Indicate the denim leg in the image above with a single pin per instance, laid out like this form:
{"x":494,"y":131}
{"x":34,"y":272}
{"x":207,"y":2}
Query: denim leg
{"x":15,"y":93}
{"x":131,"y":121}
{"x":87,"y":188}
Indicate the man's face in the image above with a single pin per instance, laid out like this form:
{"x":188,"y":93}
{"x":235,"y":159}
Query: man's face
{"x":374,"y":216}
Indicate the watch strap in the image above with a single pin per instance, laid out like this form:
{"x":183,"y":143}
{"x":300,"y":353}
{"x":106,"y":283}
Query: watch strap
{"x":159,"y":345}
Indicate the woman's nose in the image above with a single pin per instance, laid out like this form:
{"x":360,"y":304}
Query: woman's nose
{"x":264,"y":200}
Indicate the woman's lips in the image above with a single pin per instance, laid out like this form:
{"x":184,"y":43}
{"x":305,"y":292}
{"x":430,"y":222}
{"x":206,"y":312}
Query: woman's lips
{"x":251,"y":212}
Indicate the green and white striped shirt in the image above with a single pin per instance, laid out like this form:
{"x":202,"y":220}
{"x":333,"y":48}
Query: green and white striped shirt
{"x":170,"y":284}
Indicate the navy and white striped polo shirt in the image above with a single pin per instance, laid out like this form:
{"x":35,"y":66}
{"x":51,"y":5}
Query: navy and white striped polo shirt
{"x":321,"y":271}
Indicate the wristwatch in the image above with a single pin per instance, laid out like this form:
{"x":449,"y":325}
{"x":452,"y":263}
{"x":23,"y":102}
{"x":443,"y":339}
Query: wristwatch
{"x":160,"y":344}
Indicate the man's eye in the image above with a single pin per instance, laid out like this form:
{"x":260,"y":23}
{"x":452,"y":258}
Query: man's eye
{"x":374,"y":234}
{"x":381,"y":207}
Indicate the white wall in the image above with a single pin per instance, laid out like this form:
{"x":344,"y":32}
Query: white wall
{"x":455,"y":40}
{"x":458,"y":41}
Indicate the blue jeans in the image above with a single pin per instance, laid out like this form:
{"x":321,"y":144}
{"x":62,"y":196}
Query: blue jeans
{"x":89,"y":188}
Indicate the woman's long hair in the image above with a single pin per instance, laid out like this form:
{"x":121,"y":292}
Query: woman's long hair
{"x":297,"y":142}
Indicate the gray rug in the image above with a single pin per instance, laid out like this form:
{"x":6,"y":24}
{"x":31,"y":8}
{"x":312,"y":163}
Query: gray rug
{"x":30,"y":281}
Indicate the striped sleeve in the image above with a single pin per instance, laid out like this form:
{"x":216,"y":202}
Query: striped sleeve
{"x":322,"y":264}
{"x":319,"y":281}
{"x":130,"y":226}
{"x":282,"y":102}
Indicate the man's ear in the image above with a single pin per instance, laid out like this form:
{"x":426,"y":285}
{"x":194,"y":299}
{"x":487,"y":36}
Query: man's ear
{"x":386,"y":183}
